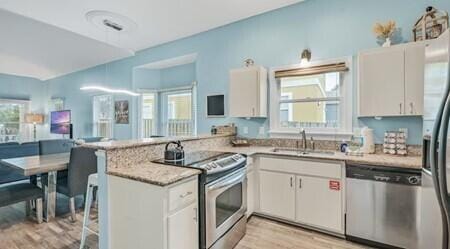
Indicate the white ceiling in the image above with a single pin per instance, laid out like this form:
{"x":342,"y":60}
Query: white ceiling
{"x":158,"y":21}
{"x":34,"y":49}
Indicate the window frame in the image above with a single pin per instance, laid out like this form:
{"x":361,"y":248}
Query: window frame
{"x":25,"y":132}
{"x":165,"y":112}
{"x":95,"y":119}
{"x":345,"y":111}
{"x":156,"y":105}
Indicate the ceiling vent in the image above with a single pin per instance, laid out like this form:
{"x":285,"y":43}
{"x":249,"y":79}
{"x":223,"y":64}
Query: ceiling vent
{"x":109,"y":21}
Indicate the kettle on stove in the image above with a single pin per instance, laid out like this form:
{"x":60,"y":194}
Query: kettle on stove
{"x":174,"y":154}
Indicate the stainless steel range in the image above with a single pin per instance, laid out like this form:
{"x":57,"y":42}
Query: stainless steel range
{"x":223,"y":196}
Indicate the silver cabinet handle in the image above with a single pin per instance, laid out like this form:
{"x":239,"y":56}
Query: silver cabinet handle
{"x":195,"y":214}
{"x":186,"y":194}
{"x":400,"y":108}
{"x":292,"y":179}
{"x":411,"y":105}
{"x":300,"y":183}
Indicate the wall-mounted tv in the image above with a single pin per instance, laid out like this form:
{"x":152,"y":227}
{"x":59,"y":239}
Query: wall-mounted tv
{"x":60,"y":122}
{"x":215,"y":106}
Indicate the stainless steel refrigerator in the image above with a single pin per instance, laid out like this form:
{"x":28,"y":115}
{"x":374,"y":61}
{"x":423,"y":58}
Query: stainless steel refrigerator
{"x":435,"y":201}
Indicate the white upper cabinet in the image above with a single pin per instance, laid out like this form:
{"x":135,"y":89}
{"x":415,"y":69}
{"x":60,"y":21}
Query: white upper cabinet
{"x":414,"y":79}
{"x":391,"y":81}
{"x":248,"y":92}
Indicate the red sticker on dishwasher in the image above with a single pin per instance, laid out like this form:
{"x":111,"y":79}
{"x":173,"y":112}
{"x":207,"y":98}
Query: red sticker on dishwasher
{"x":335,"y":185}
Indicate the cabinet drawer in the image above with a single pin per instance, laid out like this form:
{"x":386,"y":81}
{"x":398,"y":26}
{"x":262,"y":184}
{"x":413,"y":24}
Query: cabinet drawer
{"x":303,"y":167}
{"x":182,"y":194}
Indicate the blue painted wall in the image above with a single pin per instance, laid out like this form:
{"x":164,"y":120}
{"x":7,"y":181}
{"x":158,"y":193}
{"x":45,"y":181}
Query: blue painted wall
{"x":330,"y":28}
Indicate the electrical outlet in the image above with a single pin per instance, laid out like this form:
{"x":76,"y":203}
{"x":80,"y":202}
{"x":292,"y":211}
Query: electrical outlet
{"x":261,"y":130}
{"x":245,"y":130}
{"x":404,"y":130}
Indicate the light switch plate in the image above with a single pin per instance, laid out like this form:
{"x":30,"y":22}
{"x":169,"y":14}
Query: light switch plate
{"x":261,"y":130}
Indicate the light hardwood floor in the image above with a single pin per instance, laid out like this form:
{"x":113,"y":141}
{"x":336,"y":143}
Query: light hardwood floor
{"x":19,"y":232}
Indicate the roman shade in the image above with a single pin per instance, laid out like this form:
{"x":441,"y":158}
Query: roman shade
{"x":306,"y":71}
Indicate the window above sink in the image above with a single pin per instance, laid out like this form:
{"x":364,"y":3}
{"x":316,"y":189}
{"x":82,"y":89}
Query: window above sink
{"x":317,"y":98}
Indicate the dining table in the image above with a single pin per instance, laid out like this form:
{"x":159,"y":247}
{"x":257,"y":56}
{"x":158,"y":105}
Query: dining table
{"x":48,"y":164}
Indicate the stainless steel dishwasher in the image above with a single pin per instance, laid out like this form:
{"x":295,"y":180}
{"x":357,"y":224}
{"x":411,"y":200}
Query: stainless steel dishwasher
{"x":383,"y":206}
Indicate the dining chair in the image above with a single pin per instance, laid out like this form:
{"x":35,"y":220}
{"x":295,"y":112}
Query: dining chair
{"x":54,"y":146}
{"x":83,"y":162}
{"x":19,"y":192}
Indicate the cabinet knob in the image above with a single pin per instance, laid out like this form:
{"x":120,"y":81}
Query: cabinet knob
{"x":411,"y":105}
{"x":400,"y":108}
{"x":300,"y":183}
{"x":292,"y":181}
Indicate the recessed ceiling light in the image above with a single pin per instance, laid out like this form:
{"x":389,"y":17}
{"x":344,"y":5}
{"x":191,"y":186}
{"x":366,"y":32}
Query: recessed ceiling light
{"x":109,"y":21}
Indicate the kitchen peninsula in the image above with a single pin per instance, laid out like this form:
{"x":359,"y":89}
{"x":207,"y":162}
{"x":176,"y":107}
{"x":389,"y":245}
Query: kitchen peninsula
{"x":126,"y":167}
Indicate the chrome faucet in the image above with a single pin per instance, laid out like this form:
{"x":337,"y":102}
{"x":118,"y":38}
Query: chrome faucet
{"x":303,"y":133}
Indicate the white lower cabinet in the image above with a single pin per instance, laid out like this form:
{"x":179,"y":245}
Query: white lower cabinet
{"x":146,"y":216}
{"x":277,"y":194}
{"x":183,"y":228}
{"x":307,"y":192}
{"x":319,"y":202}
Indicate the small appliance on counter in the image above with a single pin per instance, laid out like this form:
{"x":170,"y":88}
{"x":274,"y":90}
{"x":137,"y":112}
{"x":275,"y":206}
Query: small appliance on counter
{"x":368,"y":144}
{"x":395,"y":143}
{"x":175,"y":154}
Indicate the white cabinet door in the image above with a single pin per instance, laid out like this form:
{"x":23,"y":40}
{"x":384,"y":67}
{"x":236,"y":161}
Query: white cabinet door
{"x":381,"y":82}
{"x":319,"y":203}
{"x":250,"y":193}
{"x":183,"y":228}
{"x":243,"y":92}
{"x":277,"y":194}
{"x":414,"y":79}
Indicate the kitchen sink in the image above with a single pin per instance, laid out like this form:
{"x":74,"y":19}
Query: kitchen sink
{"x":302,"y":152}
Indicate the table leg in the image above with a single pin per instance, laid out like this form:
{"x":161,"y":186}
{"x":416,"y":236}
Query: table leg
{"x":50,"y":196}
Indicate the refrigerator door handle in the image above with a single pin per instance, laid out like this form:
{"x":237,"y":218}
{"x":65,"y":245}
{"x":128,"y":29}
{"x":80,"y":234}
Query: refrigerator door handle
{"x":436,"y":168}
{"x":442,"y":160}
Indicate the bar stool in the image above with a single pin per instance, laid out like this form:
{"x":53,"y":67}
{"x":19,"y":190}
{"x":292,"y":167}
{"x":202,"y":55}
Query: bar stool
{"x":92,"y":183}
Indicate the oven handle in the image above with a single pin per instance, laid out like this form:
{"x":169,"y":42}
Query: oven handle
{"x":231,"y":181}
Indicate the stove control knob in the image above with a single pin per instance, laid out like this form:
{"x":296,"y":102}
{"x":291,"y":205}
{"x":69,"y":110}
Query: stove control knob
{"x":214,"y":165}
{"x":413,"y":180}
{"x":208,"y":167}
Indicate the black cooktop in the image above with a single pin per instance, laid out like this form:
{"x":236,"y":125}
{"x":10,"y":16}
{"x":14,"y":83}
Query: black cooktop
{"x":198,"y":158}
{"x":193,"y":159}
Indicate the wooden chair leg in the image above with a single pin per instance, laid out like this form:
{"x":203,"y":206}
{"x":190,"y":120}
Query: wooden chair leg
{"x":39,"y":211}
{"x":72,"y":209}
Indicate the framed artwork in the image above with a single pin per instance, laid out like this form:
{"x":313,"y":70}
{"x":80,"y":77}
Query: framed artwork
{"x":121,"y":112}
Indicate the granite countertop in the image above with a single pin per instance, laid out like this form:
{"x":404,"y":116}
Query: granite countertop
{"x":132,"y":143}
{"x":154,"y":173}
{"x":163,"y":175}
{"x":411,"y":162}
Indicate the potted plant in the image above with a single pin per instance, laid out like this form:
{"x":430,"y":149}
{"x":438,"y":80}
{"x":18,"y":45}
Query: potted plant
{"x":385,"y":32}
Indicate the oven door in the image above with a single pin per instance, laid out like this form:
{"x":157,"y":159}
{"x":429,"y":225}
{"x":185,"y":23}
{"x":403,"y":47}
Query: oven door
{"x":226,"y":203}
